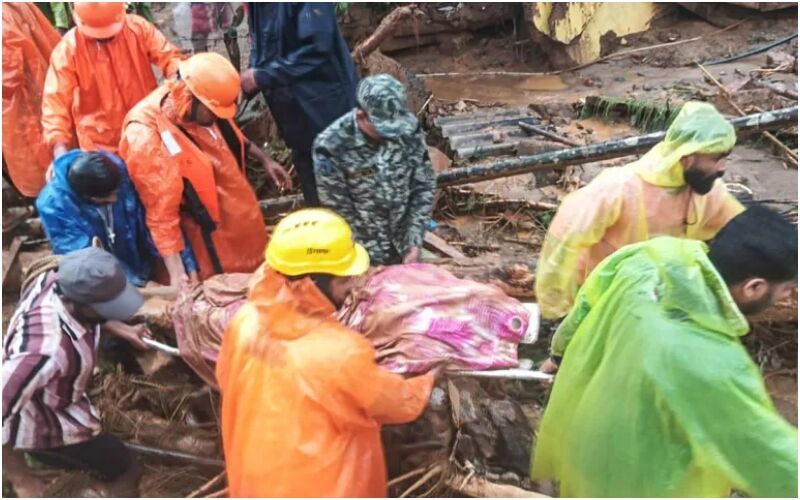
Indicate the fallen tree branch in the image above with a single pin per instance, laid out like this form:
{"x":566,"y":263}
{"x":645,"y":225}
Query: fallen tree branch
{"x":536,"y":130}
{"x":436,"y":469}
{"x":407,"y":475}
{"x":791,"y":155}
{"x":385,"y":30}
{"x":221,"y":493}
{"x":481,"y":488}
{"x":207,"y":486}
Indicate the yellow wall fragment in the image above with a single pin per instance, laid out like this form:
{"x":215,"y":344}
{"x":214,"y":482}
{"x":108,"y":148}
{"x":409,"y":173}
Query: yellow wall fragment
{"x":581,"y":25}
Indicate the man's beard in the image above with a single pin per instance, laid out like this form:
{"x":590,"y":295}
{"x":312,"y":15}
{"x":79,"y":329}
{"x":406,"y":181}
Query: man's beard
{"x":700,"y":182}
{"x":759,"y":306}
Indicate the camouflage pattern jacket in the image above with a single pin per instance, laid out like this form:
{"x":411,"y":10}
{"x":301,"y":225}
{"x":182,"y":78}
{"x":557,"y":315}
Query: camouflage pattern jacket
{"x":384,"y":191}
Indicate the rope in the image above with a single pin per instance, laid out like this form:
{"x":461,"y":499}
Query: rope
{"x":753,"y":52}
{"x":37,"y":267}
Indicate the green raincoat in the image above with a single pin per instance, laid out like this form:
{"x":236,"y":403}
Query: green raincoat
{"x":656,"y":395}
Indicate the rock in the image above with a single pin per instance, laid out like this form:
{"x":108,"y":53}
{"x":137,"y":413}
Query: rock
{"x":647,"y":87}
{"x":619,"y":79}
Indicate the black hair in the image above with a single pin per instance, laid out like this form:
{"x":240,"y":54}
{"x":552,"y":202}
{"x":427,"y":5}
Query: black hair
{"x":94,"y":175}
{"x":758,"y":243}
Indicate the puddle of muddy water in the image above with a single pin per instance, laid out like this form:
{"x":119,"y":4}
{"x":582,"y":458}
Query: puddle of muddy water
{"x":511,"y":89}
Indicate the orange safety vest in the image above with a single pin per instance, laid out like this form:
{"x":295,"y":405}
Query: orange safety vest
{"x":240,"y":237}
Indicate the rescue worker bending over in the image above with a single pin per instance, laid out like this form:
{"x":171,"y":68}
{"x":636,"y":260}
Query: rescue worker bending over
{"x":303,"y":399}
{"x":98,"y":72}
{"x":28,"y":40}
{"x":91,"y":196}
{"x":673,"y":190}
{"x":657,"y":396}
{"x":49,"y":354}
{"x":186,"y":158}
{"x":373,"y":169}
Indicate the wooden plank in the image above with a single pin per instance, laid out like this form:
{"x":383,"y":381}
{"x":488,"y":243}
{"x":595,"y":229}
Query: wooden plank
{"x":11,"y":256}
{"x":433,"y":242}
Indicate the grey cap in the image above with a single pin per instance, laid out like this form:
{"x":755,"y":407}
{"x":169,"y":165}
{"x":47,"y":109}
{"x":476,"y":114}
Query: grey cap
{"x":383,"y":98}
{"x":93,"y":277}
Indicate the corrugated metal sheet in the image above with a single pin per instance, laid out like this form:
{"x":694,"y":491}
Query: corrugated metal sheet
{"x":492,"y":132}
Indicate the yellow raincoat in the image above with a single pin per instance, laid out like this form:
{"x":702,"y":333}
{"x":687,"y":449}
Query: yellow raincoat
{"x":634,"y":203}
{"x":657,"y":396}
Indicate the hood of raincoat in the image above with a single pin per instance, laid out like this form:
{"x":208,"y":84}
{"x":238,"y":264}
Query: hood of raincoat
{"x":655,"y":326}
{"x":698,"y":128}
{"x":678,"y":277}
{"x":294,"y":308}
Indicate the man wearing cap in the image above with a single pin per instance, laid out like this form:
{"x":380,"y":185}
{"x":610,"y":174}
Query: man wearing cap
{"x":186,"y":158}
{"x":98,"y":71}
{"x":49,"y":353}
{"x":303,"y":399}
{"x":373,"y":168}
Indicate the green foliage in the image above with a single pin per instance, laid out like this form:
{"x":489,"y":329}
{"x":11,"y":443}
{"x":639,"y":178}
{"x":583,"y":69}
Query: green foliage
{"x":643,"y":115}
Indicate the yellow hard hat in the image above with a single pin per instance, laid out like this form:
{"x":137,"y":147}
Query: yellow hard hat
{"x":315,"y":240}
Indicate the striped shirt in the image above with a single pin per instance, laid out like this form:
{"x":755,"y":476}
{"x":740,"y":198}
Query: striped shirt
{"x":48,"y":359}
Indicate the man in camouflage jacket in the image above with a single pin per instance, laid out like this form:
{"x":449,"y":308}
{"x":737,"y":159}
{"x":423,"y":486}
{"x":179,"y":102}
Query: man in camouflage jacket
{"x":372,"y":167}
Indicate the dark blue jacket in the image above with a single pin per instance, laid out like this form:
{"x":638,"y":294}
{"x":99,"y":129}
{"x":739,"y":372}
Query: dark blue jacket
{"x":303,"y":66}
{"x":70,"y":222}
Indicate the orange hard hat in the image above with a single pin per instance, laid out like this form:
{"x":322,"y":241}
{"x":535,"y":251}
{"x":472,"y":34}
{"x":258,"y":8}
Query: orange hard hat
{"x":213,"y":80}
{"x":99,"y":19}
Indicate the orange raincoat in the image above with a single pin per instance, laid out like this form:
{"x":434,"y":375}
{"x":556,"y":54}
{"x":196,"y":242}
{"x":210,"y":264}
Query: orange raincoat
{"x":92,"y":85}
{"x":28,"y":40}
{"x":634,"y":203}
{"x":162,"y":148}
{"x":303,"y":399}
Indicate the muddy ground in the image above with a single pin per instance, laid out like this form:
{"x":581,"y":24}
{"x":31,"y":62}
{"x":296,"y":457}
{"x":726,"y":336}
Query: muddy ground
{"x":663,"y":76}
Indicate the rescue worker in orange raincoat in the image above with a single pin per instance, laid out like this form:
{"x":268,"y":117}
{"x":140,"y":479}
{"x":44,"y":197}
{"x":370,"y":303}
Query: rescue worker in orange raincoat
{"x":186,"y":158}
{"x":28,"y":40}
{"x":98,"y":72}
{"x":303,"y":399}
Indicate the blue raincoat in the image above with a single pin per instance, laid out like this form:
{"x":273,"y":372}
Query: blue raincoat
{"x":70,"y":223}
{"x":303,"y":66}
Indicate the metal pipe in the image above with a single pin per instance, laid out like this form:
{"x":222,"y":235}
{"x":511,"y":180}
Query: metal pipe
{"x":175,"y":455}
{"x":172,"y":351}
{"x":555,"y":160}
{"x":512,"y":374}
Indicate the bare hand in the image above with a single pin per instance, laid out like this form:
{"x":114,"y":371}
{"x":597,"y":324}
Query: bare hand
{"x":551,"y":367}
{"x":248,"y":82}
{"x":411,"y":256}
{"x":59,"y":150}
{"x":49,"y":174}
{"x":131,"y":334}
{"x":279,"y":176}
{"x":548,"y":366}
